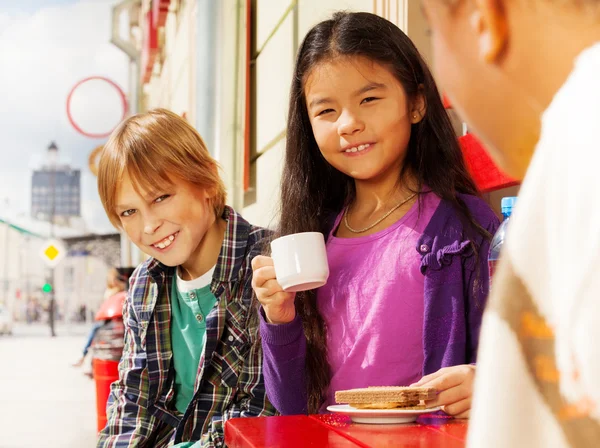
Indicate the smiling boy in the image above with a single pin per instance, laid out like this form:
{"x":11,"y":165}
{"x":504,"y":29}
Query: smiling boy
{"x":190,"y":361}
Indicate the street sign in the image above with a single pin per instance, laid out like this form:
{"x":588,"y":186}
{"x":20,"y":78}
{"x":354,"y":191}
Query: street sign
{"x":109,"y":106}
{"x":52,"y":252}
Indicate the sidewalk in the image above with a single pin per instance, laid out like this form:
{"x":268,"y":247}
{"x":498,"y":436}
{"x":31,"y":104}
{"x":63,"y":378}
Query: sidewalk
{"x":44,"y":402}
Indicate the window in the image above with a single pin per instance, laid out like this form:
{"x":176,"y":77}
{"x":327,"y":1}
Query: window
{"x":251,"y":150}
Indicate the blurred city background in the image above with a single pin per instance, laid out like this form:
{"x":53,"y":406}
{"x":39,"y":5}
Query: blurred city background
{"x":70,"y":71}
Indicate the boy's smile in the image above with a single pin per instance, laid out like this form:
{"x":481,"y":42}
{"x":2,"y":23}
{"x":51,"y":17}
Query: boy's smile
{"x":165,"y":243}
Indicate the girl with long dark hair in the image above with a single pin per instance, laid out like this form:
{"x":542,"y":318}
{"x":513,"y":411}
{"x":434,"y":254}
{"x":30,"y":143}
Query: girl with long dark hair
{"x":373,"y":163}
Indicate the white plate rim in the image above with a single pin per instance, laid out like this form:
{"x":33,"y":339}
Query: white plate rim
{"x":349,"y":410}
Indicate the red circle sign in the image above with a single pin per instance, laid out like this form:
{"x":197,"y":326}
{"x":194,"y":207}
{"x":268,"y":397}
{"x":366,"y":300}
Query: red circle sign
{"x":122,"y":98}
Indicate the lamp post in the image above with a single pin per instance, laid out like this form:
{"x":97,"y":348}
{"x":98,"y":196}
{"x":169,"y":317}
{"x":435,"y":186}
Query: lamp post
{"x":52,"y":158}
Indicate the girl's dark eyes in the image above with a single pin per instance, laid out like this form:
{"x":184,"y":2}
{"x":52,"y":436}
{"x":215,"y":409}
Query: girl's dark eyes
{"x":323,"y":112}
{"x":366,"y":100}
{"x":369,"y":99}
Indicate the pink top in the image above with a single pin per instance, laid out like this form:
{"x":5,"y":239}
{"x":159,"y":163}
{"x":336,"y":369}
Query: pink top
{"x":373,"y":304}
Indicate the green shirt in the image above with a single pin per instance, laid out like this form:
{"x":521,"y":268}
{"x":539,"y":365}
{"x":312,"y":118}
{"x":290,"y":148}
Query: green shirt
{"x":188,"y":336}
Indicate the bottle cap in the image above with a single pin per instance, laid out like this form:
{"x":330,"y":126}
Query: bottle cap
{"x":507,"y":204}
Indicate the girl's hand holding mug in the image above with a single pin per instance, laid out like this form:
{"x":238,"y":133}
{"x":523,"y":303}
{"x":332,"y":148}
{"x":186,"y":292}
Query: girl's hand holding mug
{"x":277,"y":304}
{"x":300,"y":261}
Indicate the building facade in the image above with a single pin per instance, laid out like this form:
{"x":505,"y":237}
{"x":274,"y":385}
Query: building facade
{"x":78,"y":281}
{"x":56,"y":191}
{"x":227,"y":66}
{"x":22,"y":273}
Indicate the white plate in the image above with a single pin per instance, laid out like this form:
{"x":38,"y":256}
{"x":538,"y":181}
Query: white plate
{"x":380,"y":416}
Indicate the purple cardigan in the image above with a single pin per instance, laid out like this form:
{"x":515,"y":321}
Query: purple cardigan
{"x":456,"y":289}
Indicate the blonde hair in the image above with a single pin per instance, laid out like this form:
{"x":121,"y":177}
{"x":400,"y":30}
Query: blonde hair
{"x":152,"y":148}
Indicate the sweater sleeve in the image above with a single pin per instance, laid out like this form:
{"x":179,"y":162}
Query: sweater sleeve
{"x":284,"y":360}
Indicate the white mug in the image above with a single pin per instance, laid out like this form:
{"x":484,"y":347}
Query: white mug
{"x":300,"y":261}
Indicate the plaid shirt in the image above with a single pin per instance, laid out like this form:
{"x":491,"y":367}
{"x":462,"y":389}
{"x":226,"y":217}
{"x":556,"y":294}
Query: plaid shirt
{"x":141,"y":407}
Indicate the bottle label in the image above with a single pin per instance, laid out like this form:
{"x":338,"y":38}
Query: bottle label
{"x":492,"y":264}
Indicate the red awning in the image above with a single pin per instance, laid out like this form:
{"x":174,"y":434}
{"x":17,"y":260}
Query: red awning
{"x":487,"y":175}
{"x":149,"y":46}
{"x":160,"y":9}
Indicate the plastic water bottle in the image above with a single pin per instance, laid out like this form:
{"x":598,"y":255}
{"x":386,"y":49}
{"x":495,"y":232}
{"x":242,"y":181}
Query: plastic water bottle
{"x":507,"y":206}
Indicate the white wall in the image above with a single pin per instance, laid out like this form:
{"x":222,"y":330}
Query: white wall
{"x":229,"y":98}
{"x":172,"y":85}
{"x":268,"y":171}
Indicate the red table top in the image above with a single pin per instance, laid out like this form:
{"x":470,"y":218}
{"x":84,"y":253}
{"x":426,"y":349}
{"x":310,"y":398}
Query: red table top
{"x":338,"y":431}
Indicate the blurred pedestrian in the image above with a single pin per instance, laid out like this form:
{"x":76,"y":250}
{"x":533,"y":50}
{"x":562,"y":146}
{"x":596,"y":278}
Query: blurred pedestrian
{"x":116,"y":282}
